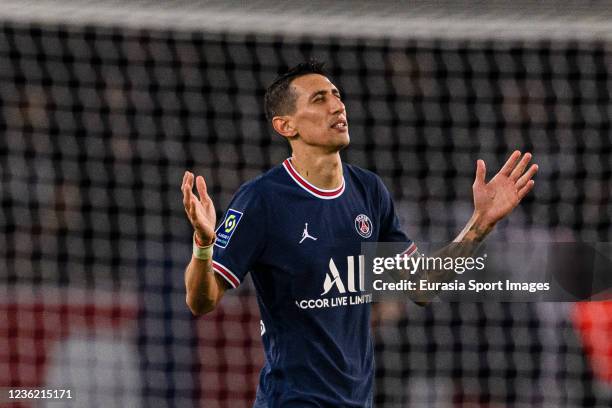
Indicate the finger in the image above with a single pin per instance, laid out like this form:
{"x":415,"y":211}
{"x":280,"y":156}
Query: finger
{"x":520,"y":183}
{"x":190,"y":180}
{"x":188,"y":205}
{"x":526,"y":189}
{"x":201,"y":186}
{"x":183,"y":182}
{"x":187,"y":191}
{"x":520,"y":168}
{"x":481,"y":172}
{"x":193,"y":209}
{"x":185,"y":194}
{"x":510,"y":163}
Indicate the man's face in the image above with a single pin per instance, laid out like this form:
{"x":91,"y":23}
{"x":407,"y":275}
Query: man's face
{"x":320,"y":115}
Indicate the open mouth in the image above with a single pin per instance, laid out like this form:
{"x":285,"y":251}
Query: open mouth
{"x":340,"y":124}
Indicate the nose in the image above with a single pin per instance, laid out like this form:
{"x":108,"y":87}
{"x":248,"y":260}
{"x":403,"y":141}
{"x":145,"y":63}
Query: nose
{"x":337,"y":106}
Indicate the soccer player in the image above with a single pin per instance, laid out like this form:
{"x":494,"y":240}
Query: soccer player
{"x":298,"y":229}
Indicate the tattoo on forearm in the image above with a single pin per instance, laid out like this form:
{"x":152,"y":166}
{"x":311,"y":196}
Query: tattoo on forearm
{"x":477,"y":233}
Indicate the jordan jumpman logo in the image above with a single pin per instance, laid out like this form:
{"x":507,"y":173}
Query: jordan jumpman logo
{"x":305,"y":234}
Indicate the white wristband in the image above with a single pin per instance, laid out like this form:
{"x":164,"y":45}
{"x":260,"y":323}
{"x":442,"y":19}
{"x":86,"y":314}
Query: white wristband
{"x":202,"y":252}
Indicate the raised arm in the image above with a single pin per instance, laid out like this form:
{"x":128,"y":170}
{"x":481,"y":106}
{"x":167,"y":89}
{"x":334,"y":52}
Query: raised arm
{"x":493,"y":201}
{"x":204,"y":287}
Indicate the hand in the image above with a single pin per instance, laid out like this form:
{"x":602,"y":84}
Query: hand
{"x":201,"y":212}
{"x":497,"y":198}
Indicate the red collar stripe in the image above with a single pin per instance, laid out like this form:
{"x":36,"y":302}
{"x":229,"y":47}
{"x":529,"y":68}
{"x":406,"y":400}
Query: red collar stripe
{"x":226,"y":274}
{"x":410,"y":250}
{"x":317,"y":192}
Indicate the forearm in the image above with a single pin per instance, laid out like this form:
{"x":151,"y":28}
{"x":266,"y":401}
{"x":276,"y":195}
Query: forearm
{"x":464,"y":245}
{"x":203,"y":288}
{"x":475,"y":231}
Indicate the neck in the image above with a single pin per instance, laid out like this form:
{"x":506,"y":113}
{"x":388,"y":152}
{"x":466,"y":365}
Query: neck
{"x":321,"y":170}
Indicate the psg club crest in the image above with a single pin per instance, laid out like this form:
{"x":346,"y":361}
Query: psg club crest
{"x":363,"y":225}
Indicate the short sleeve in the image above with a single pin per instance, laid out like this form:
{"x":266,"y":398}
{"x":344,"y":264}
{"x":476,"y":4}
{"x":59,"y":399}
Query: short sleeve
{"x":240,"y":236}
{"x":391,"y":230}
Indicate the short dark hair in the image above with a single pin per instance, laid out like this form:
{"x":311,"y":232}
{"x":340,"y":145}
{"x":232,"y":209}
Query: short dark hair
{"x":279,"y":98}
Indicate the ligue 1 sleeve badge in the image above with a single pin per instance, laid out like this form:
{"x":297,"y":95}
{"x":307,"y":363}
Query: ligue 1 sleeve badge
{"x":363,"y":225}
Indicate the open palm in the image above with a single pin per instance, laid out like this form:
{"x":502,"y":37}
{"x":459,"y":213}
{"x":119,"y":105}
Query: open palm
{"x":200,"y":211}
{"x":497,"y":198}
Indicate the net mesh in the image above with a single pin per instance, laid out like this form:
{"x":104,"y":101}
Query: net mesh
{"x":98,"y":125}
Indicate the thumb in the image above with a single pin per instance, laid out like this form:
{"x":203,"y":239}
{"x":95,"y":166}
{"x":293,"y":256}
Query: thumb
{"x":481,"y":172}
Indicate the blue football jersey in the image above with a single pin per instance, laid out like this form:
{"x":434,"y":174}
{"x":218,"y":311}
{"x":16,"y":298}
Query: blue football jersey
{"x":302,"y":246}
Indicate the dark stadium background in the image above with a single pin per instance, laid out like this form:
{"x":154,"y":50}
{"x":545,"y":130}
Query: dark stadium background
{"x":98,"y":124}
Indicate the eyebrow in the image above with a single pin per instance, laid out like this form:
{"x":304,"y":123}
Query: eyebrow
{"x":334,"y":91}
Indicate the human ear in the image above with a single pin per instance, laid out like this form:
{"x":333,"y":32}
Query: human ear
{"x":284,"y":126}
